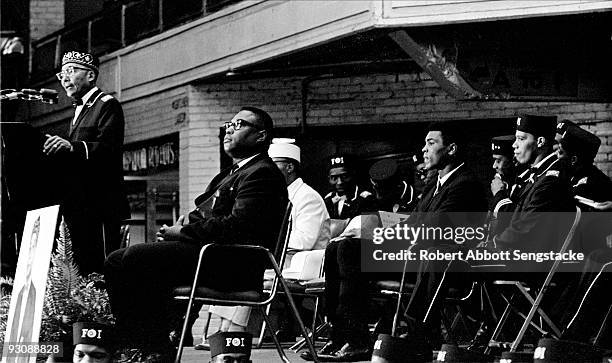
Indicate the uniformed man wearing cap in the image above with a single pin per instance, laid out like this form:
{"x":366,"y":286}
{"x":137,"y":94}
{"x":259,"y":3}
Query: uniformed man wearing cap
{"x":546,"y":190}
{"x":502,"y":183}
{"x":589,"y":184}
{"x":582,"y":306}
{"x":561,"y":127}
{"x":347,"y":199}
{"x":309,"y":216}
{"x":393,"y":193}
{"x":94,"y":201}
{"x":93,"y":342}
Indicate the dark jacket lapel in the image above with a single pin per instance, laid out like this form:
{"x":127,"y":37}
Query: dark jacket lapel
{"x":224,"y":177}
{"x":435,"y":199}
{"x":86,"y":108}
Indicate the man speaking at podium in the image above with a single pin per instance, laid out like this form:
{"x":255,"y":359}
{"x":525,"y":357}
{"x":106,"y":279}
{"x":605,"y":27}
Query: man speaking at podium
{"x":93,"y":199}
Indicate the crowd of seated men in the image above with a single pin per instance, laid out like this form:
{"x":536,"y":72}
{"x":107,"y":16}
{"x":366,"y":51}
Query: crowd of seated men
{"x":545,"y":167}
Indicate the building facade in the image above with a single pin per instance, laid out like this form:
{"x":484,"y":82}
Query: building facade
{"x":363,"y":77}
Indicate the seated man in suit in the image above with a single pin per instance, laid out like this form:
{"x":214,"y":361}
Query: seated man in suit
{"x":243,"y":204}
{"x":309,"y":231}
{"x":456,"y":198}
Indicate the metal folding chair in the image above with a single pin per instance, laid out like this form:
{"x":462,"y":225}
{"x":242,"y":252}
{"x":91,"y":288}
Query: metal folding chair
{"x":258,"y":299}
{"x":534,"y":300}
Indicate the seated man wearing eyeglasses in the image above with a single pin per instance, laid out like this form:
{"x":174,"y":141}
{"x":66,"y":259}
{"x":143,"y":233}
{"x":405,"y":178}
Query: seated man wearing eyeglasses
{"x":93,"y":200}
{"x":243,"y":204}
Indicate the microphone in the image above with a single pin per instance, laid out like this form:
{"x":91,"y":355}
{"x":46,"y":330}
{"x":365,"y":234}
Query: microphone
{"x":44,"y":95}
{"x":48,"y":95}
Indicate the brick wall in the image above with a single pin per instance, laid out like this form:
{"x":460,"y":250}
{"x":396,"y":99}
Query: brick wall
{"x":46,"y":16}
{"x":372,"y":99}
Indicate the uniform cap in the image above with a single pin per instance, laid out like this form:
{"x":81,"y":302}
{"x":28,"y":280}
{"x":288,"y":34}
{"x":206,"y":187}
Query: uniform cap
{"x":580,"y":142}
{"x":545,"y":126}
{"x":230,"y":342}
{"x":502,"y":145}
{"x":563,"y":125}
{"x":92,"y":333}
{"x":383,"y":170}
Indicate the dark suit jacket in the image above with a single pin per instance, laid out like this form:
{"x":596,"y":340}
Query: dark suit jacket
{"x":460,"y":202}
{"x":95,"y":182}
{"x":535,"y":225}
{"x":245,"y":207}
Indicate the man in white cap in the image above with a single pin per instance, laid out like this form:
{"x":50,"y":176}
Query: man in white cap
{"x":310,"y":219}
{"x":309,"y":225}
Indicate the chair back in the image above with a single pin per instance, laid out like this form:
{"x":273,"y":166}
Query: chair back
{"x":282,"y":244}
{"x":282,"y":240}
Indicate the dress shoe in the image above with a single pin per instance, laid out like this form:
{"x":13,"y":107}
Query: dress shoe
{"x":328,"y":349}
{"x":202,"y":346}
{"x":349,"y":353}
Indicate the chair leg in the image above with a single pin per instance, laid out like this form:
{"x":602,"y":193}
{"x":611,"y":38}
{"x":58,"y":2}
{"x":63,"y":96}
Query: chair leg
{"x":603,"y":326}
{"x":207,"y":325}
{"x":277,"y":343}
{"x":179,"y":352}
{"x":500,"y":325}
{"x":296,"y":315}
{"x":298,"y":346}
{"x":264,"y":324}
{"x":314,"y":317}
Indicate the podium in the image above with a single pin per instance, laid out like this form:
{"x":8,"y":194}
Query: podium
{"x":30,"y":180}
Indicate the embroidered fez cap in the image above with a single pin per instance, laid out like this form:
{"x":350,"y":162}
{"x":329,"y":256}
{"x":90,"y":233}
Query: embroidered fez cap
{"x":383,"y":170}
{"x":502,"y":145}
{"x":284,"y":148}
{"x":579,"y":141}
{"x":563,"y":125}
{"x":85,"y":59}
{"x":92,"y":333}
{"x":342,"y":161}
{"x":537,"y":125}
{"x":230,"y":342}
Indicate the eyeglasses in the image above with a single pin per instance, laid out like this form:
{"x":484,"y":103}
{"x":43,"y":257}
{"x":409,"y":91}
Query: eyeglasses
{"x":239,"y":123}
{"x":69,"y":71}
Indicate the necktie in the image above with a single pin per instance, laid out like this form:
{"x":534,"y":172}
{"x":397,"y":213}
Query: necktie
{"x":77,"y":102}
{"x":438,"y":186}
{"x":233,"y":169}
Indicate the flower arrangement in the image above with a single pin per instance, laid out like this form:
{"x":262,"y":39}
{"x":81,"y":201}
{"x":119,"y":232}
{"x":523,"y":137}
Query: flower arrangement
{"x":69,"y":297}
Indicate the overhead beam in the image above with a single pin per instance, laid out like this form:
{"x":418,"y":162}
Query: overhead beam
{"x":444,"y":72}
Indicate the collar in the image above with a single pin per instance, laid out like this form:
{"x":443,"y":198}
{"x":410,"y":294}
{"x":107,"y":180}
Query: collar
{"x":88,"y":95}
{"x":293,"y":188}
{"x":445,"y":177}
{"x":335,"y":194}
{"x":244,"y":161}
{"x":543,"y":162}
